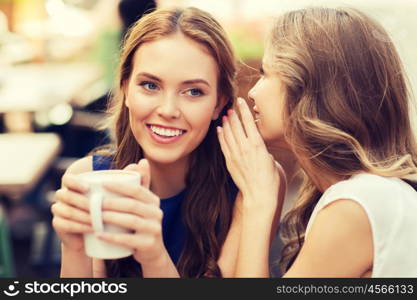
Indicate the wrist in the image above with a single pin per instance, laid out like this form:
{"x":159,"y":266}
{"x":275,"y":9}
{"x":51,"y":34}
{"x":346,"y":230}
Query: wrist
{"x":156,"y":256}
{"x":69,"y":250}
{"x":75,"y":263}
{"x":158,"y":262}
{"x":259,"y":204}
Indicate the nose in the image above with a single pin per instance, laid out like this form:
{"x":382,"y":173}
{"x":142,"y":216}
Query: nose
{"x":251,"y":94}
{"x":168,"y":108}
{"x":251,"y":97}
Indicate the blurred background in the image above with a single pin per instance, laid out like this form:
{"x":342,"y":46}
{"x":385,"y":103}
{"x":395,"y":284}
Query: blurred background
{"x":57,"y":66}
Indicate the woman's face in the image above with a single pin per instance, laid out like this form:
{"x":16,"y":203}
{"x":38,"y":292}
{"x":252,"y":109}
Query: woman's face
{"x":268,"y":95}
{"x":172,"y":97}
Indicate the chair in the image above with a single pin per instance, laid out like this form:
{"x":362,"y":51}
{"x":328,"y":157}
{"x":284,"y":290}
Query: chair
{"x":6,"y":259}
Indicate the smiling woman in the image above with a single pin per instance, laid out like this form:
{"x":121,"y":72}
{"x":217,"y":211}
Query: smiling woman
{"x":167,"y":107}
{"x":176,"y":80}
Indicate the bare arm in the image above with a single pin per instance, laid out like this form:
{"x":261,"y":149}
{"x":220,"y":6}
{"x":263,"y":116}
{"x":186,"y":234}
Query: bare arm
{"x":262,"y":184}
{"x":339,"y":243}
{"x":75,"y":263}
{"x":240,"y":249}
{"x":228,"y":256}
{"x":257,"y":232}
{"x":99,"y":268}
{"x":162,"y":268}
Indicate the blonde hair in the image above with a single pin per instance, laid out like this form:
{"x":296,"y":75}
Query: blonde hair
{"x":347,"y":104}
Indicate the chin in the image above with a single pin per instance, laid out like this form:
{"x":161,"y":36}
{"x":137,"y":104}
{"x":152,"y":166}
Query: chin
{"x":162,"y":160}
{"x":275,"y":140}
{"x":163,"y":157}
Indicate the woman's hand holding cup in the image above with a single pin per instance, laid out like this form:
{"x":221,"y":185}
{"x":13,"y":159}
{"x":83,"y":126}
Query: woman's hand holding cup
{"x":135,"y":208}
{"x":71,"y":218}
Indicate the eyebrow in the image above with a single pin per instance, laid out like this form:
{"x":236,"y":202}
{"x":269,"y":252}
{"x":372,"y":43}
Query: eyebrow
{"x":150,"y":76}
{"x":191,"y":81}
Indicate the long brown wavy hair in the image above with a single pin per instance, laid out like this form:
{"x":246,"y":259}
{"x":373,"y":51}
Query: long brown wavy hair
{"x":347,"y":104}
{"x":206,"y":209}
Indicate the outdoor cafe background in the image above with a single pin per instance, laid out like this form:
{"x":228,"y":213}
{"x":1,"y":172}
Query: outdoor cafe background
{"x":57,"y":61}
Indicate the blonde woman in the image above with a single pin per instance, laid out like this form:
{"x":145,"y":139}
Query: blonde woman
{"x":332,"y":88}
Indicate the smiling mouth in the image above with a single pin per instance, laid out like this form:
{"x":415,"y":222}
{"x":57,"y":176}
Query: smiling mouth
{"x":166,"y":132}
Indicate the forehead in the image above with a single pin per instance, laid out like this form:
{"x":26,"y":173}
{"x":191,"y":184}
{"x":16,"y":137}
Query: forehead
{"x":268,"y":58}
{"x":175,"y":56}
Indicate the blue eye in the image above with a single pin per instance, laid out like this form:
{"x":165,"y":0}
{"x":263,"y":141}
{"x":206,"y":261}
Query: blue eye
{"x":194,"y":92}
{"x":148,"y":85}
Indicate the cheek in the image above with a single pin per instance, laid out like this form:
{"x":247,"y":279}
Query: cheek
{"x":139,"y":107}
{"x":199,"y":115}
{"x":260,"y":95}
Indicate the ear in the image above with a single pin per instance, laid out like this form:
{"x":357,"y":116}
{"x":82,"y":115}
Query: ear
{"x":219,"y":107}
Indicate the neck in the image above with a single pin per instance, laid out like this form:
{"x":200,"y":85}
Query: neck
{"x":289,"y":163}
{"x":287,"y":160}
{"x":168,"y":180}
{"x":323,"y":180}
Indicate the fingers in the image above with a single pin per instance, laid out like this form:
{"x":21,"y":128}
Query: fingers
{"x":145,"y":171}
{"x":248,"y":121}
{"x":141,"y":243}
{"x":134,"y":191}
{"x":72,"y":198}
{"x":236,"y":127}
{"x":69,"y":226}
{"x":128,"y":205}
{"x":223,"y":144}
{"x":230,"y":140}
{"x":71,"y":182}
{"x":131,"y":167}
{"x":134,"y":222}
{"x":71,"y":213}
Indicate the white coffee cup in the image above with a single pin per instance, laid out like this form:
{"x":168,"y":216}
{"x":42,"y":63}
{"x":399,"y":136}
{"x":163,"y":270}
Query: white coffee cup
{"x":94,"y":247}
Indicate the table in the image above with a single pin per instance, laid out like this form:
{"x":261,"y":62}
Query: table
{"x":33,"y":87}
{"x":24,"y":158}
{"x":40,"y":87}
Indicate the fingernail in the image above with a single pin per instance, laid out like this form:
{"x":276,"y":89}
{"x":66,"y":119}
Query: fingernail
{"x":219,"y":129}
{"x":230,"y":111}
{"x":224,"y":119}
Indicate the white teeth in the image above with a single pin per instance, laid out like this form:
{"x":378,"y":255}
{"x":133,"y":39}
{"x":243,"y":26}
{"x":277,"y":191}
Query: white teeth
{"x":166,"y":132}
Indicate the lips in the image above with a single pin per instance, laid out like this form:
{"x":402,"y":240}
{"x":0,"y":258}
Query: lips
{"x":255,"y":110}
{"x":165,"y":134}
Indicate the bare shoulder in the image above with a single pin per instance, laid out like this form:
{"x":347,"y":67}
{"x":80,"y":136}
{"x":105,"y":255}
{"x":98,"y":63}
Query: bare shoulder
{"x":346,"y":221}
{"x":81,"y":165}
{"x":349,"y":210}
{"x":339,"y":243}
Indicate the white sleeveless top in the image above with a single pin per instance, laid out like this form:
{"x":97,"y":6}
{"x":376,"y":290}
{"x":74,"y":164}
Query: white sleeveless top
{"x":391,"y":206}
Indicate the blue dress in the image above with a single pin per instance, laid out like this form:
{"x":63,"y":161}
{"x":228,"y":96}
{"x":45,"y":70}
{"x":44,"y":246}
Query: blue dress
{"x":173,"y":229}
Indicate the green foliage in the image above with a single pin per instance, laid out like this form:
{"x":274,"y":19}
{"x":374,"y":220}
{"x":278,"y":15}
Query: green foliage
{"x":248,"y":46}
